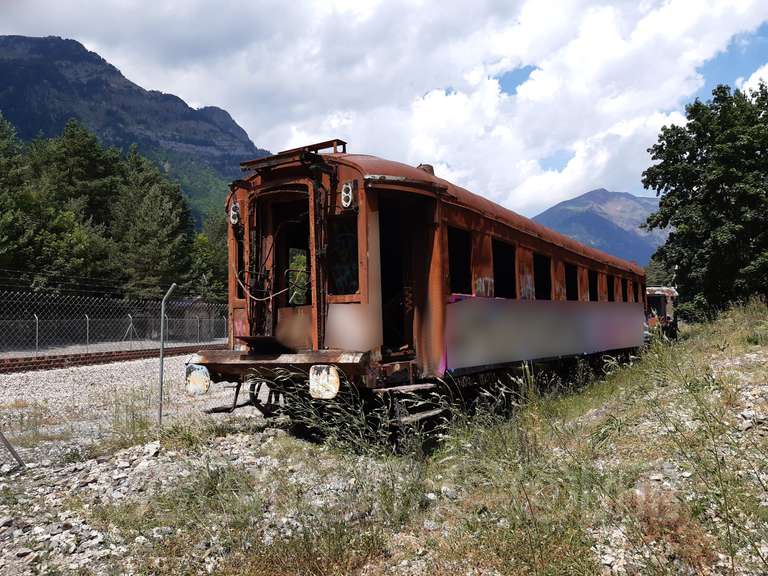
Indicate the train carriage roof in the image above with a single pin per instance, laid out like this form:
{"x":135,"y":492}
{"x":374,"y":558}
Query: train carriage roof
{"x":373,"y":167}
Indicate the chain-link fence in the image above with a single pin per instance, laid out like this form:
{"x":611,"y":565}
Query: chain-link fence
{"x":45,"y":324}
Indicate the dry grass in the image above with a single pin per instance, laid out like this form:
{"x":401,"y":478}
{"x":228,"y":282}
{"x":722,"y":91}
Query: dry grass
{"x":220,"y":509}
{"x":662,"y":517}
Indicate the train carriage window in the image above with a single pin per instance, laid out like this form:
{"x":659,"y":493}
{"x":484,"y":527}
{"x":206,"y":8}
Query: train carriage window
{"x":611,"y":288}
{"x":460,"y":260}
{"x":343,"y":275}
{"x":635,"y":292}
{"x":571,"y":281}
{"x":542,"y":276}
{"x":656,"y":305}
{"x":592,"y":286}
{"x":624,"y":290}
{"x":504,"y":277}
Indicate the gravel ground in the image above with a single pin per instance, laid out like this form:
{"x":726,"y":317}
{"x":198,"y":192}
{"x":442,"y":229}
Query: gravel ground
{"x":50,"y":412}
{"x":52,"y":513}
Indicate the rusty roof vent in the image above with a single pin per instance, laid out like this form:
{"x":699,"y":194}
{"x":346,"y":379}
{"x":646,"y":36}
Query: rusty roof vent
{"x":428,"y":168}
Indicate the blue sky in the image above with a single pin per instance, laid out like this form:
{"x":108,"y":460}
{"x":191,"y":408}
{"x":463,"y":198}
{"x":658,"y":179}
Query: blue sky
{"x":745,"y":54}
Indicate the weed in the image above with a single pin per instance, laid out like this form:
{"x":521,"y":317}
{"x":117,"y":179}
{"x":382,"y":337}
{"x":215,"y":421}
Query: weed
{"x":612,"y":425}
{"x":8,"y":497}
{"x":729,"y":392}
{"x":665,"y":518}
{"x":193,"y":433}
{"x":758,"y":335}
{"x":328,"y":548}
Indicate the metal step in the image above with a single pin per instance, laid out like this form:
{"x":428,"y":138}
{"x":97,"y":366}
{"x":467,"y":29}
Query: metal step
{"x":405,"y":389}
{"x":413,"y":418}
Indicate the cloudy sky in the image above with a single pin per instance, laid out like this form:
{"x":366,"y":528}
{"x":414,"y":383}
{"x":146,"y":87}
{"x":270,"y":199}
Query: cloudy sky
{"x":526,"y":102}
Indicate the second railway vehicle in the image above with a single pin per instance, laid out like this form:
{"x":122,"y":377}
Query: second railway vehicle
{"x":352,"y":268}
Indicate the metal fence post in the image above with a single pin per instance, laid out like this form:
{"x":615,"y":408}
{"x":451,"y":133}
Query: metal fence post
{"x":87,"y":332}
{"x":37,"y":334}
{"x":162,"y":346}
{"x":130,"y":330}
{"x":198,"y":329}
{"x":11,"y":450}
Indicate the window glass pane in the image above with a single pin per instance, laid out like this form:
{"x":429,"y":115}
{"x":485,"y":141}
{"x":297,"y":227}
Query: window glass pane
{"x":571,"y":282}
{"x":624,"y":291}
{"x":460,"y":261}
{"x":342,"y":254}
{"x":542,"y":276}
{"x":504,"y":279}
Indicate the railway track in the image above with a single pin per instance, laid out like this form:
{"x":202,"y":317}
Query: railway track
{"x":32,"y":363}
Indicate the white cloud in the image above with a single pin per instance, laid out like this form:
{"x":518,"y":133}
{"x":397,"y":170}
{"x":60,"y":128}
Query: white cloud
{"x":751,"y":83}
{"x":414,"y":80}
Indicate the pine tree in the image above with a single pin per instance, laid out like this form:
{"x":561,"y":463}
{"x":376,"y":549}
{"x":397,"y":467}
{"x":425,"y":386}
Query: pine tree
{"x":208,"y":276}
{"x":152,"y":230}
{"x":14,"y":234}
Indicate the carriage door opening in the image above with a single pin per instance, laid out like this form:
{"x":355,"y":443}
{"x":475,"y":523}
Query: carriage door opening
{"x":404,"y":226}
{"x":291,"y":273}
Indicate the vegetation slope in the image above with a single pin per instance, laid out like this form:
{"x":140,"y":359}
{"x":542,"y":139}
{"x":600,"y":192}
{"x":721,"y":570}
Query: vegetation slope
{"x":655,"y":467}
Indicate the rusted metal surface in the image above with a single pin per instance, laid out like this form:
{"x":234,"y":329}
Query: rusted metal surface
{"x":410,"y":344}
{"x":661,"y":308}
{"x":662,"y":290}
{"x":371,"y":165}
{"x":233,"y":365}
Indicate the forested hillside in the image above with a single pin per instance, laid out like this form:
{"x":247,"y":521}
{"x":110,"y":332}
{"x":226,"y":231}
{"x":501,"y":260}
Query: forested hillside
{"x":45,"y":82}
{"x":74,"y":213}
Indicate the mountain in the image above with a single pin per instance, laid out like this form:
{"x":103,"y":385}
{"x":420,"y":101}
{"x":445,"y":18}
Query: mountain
{"x":44,"y":82}
{"x":609,"y":221}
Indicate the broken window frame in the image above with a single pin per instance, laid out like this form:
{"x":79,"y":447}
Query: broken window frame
{"x":463,"y":279}
{"x":610,"y":282}
{"x":542,"y":276}
{"x":504,"y":254}
{"x":593,"y":285}
{"x":353,"y":258}
{"x":571,"y":273}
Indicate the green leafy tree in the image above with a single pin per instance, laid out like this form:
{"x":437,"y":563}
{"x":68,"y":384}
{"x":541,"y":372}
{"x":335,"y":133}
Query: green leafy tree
{"x":657,"y":275}
{"x":14,"y":235}
{"x":74,"y":212}
{"x":712,"y":177}
{"x":40,"y":233}
{"x":208,"y":276}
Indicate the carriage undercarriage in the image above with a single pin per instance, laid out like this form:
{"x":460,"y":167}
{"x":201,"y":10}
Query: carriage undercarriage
{"x":283,"y":389}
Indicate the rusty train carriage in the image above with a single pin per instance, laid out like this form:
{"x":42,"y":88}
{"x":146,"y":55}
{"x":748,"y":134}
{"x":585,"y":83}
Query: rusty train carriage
{"x":661,"y":309}
{"x":395,"y":276}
